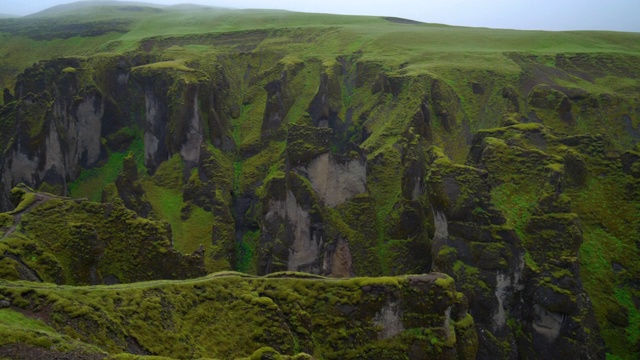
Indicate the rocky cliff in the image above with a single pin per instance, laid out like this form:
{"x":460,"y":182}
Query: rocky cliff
{"x":252,"y":151}
{"x":230,"y":316}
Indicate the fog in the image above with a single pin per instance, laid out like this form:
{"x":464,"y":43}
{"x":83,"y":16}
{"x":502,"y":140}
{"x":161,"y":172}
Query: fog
{"x":616,"y":15}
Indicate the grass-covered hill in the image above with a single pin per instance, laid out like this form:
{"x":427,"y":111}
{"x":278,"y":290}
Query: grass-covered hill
{"x":161,"y":143}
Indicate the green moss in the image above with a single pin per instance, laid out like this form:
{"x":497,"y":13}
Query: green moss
{"x":516,"y":204}
{"x":169,"y":173}
{"x":446,"y":282}
{"x":246,"y":316}
{"x":260,"y":167}
{"x":91,"y":182}
{"x":66,"y":241}
{"x":9,"y":269}
{"x":28,"y":199}
{"x":465,"y":323}
{"x":446,"y":251}
{"x":17,"y":328}
{"x":246,"y":253}
{"x":530,"y":263}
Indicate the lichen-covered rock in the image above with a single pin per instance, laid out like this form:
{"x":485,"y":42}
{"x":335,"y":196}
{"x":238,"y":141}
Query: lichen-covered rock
{"x":631,"y":163}
{"x":473,"y":246}
{"x":230,"y":316}
{"x":57,"y":126}
{"x":555,"y":312}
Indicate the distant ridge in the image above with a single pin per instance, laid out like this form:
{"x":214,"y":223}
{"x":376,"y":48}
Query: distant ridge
{"x":403,"y":21}
{"x":80,"y":5}
{"x":7,"y":16}
{"x":65,"y":9}
{"x":190,"y":7}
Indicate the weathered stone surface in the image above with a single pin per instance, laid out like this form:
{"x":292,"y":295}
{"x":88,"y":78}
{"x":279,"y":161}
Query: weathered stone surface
{"x":53,"y":143}
{"x":337,"y":179}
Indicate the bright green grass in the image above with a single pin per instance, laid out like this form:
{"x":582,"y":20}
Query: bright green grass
{"x":246,"y":251}
{"x":609,"y":223}
{"x":516,"y":204}
{"x":14,"y":319}
{"x":18,"y":52}
{"x":632,"y":332}
{"x":426,"y":47}
{"x":92,"y":181}
{"x":187,"y":234}
{"x":17,"y":328}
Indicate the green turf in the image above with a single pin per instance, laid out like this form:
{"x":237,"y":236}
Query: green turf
{"x":427,"y":48}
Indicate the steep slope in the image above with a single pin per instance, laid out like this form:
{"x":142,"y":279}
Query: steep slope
{"x":347,"y":146}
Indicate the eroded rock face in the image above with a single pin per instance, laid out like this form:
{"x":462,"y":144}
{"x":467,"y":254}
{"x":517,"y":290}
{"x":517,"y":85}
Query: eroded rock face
{"x":341,"y":263}
{"x":52,"y":144}
{"x":89,"y":116}
{"x":305,"y":249}
{"x":190,"y":150}
{"x":181,"y":113}
{"x":389,"y":319}
{"x":542,"y":294}
{"x":337,"y":179}
{"x":155,"y":148}
{"x":293,"y":231}
{"x":472,"y":244}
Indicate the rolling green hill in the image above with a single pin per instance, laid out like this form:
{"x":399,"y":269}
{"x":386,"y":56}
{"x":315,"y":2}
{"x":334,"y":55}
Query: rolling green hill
{"x":425,"y":48}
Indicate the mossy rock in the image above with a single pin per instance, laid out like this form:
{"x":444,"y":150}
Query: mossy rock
{"x":280,"y":318}
{"x":94,"y":241}
{"x":304,"y":143}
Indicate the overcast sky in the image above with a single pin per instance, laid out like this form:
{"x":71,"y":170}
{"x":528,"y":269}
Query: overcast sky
{"x":618,"y":15}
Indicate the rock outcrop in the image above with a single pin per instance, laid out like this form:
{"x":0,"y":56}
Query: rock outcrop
{"x":68,"y":241}
{"x":229,"y":315}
